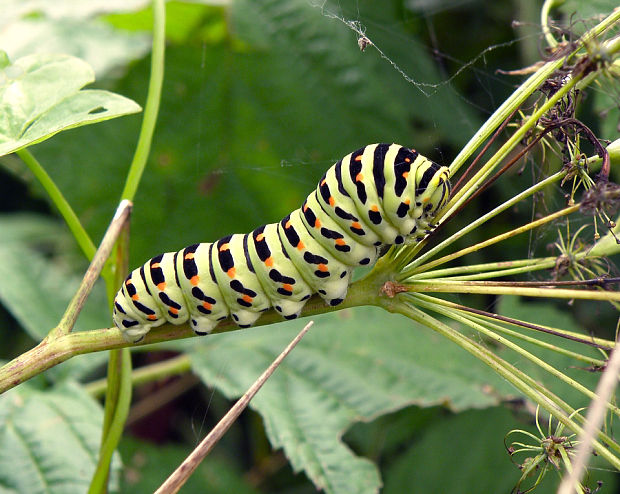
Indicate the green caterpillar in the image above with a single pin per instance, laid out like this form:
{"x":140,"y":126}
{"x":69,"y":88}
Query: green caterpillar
{"x":379,"y":195}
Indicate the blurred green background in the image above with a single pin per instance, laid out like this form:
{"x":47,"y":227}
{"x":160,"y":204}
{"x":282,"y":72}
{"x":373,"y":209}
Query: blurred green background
{"x":259,"y":99}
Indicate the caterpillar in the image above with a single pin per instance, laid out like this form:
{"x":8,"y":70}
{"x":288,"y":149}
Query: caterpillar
{"x":377,"y":196}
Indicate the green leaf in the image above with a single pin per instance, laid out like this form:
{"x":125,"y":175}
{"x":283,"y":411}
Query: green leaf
{"x":317,"y":43}
{"x":106,"y":49}
{"x":49,"y":441}
{"x":40,"y":96}
{"x":148,"y":465}
{"x":36,"y":285}
{"x":353,"y":366}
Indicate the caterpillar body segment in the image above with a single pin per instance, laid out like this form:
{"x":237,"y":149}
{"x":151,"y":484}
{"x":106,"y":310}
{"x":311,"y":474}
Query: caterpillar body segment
{"x":379,"y":195}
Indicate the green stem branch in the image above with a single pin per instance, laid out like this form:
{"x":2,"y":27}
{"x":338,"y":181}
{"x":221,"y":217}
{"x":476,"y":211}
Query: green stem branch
{"x":58,"y":199}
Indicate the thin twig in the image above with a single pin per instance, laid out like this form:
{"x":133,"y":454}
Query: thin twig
{"x":594,"y":419}
{"x":484,"y":150}
{"x":178,"y":478}
{"x":92,"y":273}
{"x":524,"y":324}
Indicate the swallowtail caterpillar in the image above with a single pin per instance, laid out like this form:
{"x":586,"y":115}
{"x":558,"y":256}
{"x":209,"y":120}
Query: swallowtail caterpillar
{"x":377,"y":196}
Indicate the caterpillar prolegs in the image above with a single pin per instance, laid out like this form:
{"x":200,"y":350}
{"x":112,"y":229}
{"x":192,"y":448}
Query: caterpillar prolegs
{"x":381,"y":194}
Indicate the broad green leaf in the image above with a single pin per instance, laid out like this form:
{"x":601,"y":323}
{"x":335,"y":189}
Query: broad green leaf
{"x":40,"y":96}
{"x":36,"y":287}
{"x":49,"y":441}
{"x":318,"y":43}
{"x":353,"y":366}
{"x":146,"y":466}
{"x":107,"y":50}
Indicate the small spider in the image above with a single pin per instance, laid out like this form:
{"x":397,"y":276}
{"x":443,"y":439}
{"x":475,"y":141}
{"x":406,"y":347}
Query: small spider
{"x":363,"y":42}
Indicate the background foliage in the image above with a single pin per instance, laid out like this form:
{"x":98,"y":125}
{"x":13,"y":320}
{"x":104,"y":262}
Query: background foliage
{"x":259,"y":99}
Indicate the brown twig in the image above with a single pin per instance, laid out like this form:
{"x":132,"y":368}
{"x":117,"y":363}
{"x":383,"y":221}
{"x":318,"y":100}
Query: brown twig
{"x":94,"y":270}
{"x":594,"y":419}
{"x":178,"y":478}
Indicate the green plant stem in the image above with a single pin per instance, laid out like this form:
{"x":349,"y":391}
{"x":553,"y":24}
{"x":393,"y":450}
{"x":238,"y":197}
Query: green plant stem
{"x":483,"y":219}
{"x":153,"y":372}
{"x":459,"y":198}
{"x":491,"y":241}
{"x":485,"y":270}
{"x":503,"y":112}
{"x":92,"y":273}
{"x":493,"y":288}
{"x":53,"y":352}
{"x":524,"y":91}
{"x":516,"y":348}
{"x":122,"y":360}
{"x":58,"y":199}
{"x":151,"y":109}
{"x":528,"y":386}
{"x":119,"y":376}
{"x":516,"y":334}
{"x":544,"y":21}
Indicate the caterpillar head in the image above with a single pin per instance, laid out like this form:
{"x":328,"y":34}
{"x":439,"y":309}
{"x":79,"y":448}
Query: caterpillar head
{"x":432,"y":187}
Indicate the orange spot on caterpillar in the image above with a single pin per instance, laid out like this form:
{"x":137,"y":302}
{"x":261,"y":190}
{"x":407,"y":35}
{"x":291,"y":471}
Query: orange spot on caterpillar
{"x":300,"y":245}
{"x":405,"y":174}
{"x":224,"y":247}
{"x":207,"y":305}
{"x":323,"y":182}
{"x":260,"y":237}
{"x":356,"y":225}
{"x":287,"y":287}
{"x":407,"y":201}
{"x":332,"y":202}
{"x":189,"y":255}
{"x":322,"y":267}
{"x":374,"y":208}
{"x":305,"y":208}
{"x":340,"y":241}
{"x":358,"y":158}
{"x":407,"y":160}
{"x":156,"y":265}
{"x":173,"y":310}
{"x":317,"y":223}
{"x":152,"y":317}
{"x":247,"y":298}
{"x":194,"y":280}
{"x":135,"y":296}
{"x":426,"y":199}
{"x":269,"y":261}
{"x":128,"y":282}
{"x":161,"y":286}
{"x":287,"y":224}
{"x":359,"y":177}
{"x":231,"y":272}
